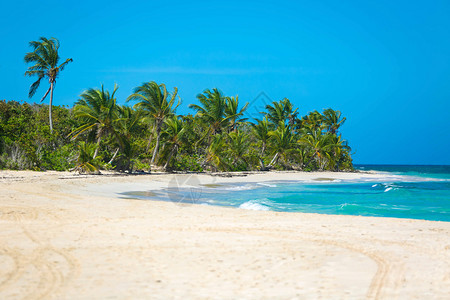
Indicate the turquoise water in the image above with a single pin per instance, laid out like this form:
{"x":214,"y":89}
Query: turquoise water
{"x":416,"y":192}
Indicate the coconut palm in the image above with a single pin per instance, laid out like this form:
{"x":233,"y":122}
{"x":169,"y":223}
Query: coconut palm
{"x":281,"y":112}
{"x":173,"y":135}
{"x":332,"y":120}
{"x":45,"y":58}
{"x":213,"y":110}
{"x":238,"y":145}
{"x":261,"y":131}
{"x":86,"y":162}
{"x":126,"y":128}
{"x":158,"y":104}
{"x":215,"y":153}
{"x":338,"y":149}
{"x":320,"y":145}
{"x":312,"y":121}
{"x":282,"y":142}
{"x":97,"y":110}
{"x":233,"y":114}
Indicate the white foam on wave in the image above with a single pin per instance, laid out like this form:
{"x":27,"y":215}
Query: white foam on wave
{"x":253,"y":205}
{"x":388,"y":189}
{"x":240,"y":188}
{"x":267,"y":184}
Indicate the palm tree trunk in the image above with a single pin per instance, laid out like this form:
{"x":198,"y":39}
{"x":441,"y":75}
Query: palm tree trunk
{"x":274,"y":159}
{"x":50,"y":107}
{"x":174,"y":149}
{"x":261,"y":159}
{"x":98,"y":146}
{"x":114,"y":156}
{"x":149,"y":141}
{"x":158,"y":134}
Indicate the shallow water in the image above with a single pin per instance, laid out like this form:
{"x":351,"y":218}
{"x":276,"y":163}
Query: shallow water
{"x":423,"y":194}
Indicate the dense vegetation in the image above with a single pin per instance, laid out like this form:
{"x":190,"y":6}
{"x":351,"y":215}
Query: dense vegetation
{"x":97,"y":133}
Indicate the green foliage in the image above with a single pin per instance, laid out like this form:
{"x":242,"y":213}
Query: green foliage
{"x":186,"y":162}
{"x":86,"y":161}
{"x":26,"y":141}
{"x":98,"y":133}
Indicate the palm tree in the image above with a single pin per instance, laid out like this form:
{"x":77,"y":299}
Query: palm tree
{"x":338,"y":149}
{"x":283,"y":141}
{"x":174,"y":137}
{"x":281,"y":112}
{"x":238,"y":143}
{"x":320,"y":145}
{"x":313,"y":121}
{"x":261,"y":131}
{"x":214,"y":153}
{"x":157,"y":103}
{"x":332,"y":119}
{"x":213,"y":110}
{"x":45,"y":58}
{"x":233,"y":113}
{"x":126,"y":128}
{"x":97,"y":110}
{"x":86,"y":162}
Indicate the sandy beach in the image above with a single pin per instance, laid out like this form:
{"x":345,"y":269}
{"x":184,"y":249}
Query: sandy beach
{"x":65,"y":236}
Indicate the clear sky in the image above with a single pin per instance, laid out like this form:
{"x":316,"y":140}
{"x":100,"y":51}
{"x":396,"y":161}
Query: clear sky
{"x":384,"y":64}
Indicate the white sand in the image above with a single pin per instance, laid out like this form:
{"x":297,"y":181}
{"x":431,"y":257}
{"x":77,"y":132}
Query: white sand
{"x":69,"y":237}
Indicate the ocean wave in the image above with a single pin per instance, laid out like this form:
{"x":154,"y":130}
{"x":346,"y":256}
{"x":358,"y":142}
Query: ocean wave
{"x":253,"y":205}
{"x":266,"y":184}
{"x":240,"y":187}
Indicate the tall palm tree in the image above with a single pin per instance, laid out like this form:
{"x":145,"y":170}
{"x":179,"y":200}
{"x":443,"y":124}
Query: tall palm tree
{"x":45,"y":58}
{"x":97,"y":110}
{"x":158,"y":104}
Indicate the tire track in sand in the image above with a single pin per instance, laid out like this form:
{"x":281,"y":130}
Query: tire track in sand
{"x":45,"y":271}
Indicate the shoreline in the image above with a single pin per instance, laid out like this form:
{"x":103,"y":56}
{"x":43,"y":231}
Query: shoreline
{"x":65,"y":239}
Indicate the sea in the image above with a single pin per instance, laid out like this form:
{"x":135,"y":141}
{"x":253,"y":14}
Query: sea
{"x":404,"y":191}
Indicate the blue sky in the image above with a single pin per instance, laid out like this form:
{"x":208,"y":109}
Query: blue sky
{"x":384,"y":64}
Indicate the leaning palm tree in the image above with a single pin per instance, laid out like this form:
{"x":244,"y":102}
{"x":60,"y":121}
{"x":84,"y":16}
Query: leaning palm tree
{"x":45,"y":58}
{"x":97,"y":110}
{"x":158,"y":104}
